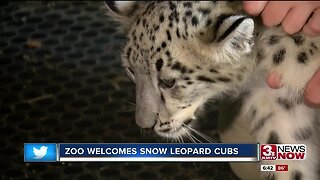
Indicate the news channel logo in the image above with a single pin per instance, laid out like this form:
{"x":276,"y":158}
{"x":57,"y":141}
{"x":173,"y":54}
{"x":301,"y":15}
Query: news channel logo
{"x":40,"y":152}
{"x":283,"y":151}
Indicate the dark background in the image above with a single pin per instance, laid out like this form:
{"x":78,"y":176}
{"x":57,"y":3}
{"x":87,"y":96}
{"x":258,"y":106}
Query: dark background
{"x":61,"y":81}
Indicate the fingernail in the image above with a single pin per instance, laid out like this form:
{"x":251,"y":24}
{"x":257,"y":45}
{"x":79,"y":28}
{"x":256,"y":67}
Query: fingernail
{"x":254,"y":8}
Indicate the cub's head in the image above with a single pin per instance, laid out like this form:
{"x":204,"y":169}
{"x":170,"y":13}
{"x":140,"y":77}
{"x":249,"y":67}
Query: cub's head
{"x":179,"y":55}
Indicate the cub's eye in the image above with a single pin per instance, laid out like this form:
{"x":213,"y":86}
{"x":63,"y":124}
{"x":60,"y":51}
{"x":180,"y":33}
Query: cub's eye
{"x":167,"y":83}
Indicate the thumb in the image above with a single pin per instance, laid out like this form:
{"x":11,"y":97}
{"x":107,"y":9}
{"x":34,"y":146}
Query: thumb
{"x":312,"y":91}
{"x":254,"y":8}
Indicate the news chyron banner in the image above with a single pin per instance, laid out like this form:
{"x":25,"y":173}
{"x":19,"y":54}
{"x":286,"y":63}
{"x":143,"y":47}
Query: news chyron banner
{"x":148,"y":152}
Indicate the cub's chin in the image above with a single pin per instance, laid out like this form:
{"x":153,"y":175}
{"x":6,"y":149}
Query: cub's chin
{"x":174,"y":130}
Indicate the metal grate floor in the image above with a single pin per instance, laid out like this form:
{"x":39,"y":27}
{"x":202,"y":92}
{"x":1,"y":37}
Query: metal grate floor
{"x":61,"y":81}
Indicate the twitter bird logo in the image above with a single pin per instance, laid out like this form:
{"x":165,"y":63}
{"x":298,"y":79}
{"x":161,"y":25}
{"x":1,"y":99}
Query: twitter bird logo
{"x":40,"y":153}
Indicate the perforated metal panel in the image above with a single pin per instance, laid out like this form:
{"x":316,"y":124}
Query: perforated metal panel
{"x":61,"y":81}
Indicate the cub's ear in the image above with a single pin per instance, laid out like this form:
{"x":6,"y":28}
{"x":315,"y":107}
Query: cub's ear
{"x":121,"y":8}
{"x":122,"y":12}
{"x":236,"y":33}
{"x":230,"y":35}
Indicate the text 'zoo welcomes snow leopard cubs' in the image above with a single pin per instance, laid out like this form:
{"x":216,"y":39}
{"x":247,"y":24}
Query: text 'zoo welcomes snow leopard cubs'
{"x":181,"y":54}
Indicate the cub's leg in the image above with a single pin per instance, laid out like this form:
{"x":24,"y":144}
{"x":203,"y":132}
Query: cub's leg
{"x":276,"y":119}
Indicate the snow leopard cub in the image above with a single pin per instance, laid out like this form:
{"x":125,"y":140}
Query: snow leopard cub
{"x":181,"y":54}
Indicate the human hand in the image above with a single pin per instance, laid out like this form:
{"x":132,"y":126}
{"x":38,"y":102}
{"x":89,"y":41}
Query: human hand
{"x":292,"y":15}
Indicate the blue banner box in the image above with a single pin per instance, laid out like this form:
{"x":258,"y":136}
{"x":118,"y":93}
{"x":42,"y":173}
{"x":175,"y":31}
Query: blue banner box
{"x":159,"y":152}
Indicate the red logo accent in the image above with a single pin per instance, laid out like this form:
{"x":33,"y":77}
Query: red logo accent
{"x":268,"y":152}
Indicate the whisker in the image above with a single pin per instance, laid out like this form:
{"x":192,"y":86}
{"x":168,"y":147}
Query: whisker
{"x":207,"y":138}
{"x":178,"y":139}
{"x":188,"y":135}
{"x":195,"y":138}
{"x":131,"y":103}
{"x":204,"y":136}
{"x":181,"y":138}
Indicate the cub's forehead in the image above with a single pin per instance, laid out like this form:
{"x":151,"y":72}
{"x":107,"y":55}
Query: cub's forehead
{"x":159,"y":27}
{"x":149,"y":37}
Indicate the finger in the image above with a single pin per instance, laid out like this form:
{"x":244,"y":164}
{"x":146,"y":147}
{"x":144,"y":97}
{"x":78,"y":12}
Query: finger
{"x":312,"y":28}
{"x":312,"y":91}
{"x":274,"y":81}
{"x":254,"y":8}
{"x":295,"y":19}
{"x":274,"y":13}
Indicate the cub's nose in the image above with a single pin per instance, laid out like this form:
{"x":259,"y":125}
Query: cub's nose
{"x":145,"y":120}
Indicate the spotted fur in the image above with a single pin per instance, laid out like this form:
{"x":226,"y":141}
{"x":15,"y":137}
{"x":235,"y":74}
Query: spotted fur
{"x":181,"y":54}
